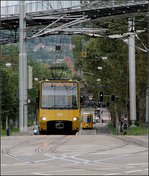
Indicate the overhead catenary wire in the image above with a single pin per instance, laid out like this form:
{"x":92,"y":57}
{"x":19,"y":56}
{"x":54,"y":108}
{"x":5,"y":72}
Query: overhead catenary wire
{"x":82,"y":19}
{"x":91,"y":4}
{"x":142,"y":43}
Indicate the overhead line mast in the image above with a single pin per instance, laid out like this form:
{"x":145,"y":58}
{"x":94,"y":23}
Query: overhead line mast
{"x":22,"y":70}
{"x":147,"y":99}
{"x":132,"y":70}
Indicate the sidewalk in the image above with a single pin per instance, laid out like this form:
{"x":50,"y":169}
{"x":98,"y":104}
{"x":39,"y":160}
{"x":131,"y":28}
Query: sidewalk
{"x":29,"y":132}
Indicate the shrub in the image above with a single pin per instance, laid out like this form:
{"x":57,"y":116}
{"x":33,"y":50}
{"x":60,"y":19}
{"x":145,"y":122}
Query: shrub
{"x":137,"y":123}
{"x":124,"y":132}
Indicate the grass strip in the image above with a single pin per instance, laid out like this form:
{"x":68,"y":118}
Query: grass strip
{"x":112,"y":129}
{"x":3,"y":132}
{"x":137,"y":130}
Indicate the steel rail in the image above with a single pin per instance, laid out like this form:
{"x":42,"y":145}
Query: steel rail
{"x":7,"y":152}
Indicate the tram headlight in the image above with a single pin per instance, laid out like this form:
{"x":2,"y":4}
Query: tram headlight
{"x":43,"y":118}
{"x":75,"y":119}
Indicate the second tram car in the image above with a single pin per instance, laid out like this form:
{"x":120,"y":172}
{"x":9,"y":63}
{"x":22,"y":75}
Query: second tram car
{"x":87,"y":120}
{"x":59,"y":106}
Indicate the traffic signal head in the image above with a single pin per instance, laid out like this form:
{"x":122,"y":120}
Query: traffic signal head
{"x":101,"y":96}
{"x":108,"y":103}
{"x":81,"y":99}
{"x":112,"y":97}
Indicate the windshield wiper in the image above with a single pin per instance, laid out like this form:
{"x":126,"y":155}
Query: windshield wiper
{"x":52,"y":107}
{"x":55,"y":106}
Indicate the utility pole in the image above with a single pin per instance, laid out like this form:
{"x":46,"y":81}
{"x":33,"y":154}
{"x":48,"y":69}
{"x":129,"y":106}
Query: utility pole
{"x":132,"y":72}
{"x":22,"y":70}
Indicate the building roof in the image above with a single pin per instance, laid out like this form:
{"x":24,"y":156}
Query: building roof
{"x":68,"y":61}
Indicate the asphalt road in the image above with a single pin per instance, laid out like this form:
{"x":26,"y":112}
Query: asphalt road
{"x":81,"y":154}
{"x":98,"y":129}
{"x":89,"y":152}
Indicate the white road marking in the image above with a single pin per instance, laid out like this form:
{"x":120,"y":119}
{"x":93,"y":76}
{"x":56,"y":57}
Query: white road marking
{"x":128,"y":172}
{"x":44,"y":160}
{"x":15,"y":164}
{"x":113,"y":174}
{"x":37,"y":173}
{"x":136,"y":164}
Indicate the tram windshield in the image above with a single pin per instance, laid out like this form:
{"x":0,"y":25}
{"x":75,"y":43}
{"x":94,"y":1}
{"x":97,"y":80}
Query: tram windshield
{"x":59,"y":95}
{"x":86,"y":118}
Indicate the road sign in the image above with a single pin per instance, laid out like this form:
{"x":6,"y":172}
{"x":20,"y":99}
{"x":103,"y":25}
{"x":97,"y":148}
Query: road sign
{"x":104,"y":58}
{"x":30,"y":77}
{"x":11,"y":121}
{"x":84,"y":54}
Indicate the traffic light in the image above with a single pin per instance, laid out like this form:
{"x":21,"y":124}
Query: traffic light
{"x":112,"y":97}
{"x":108,"y":103}
{"x":101,"y":96}
{"x":81,"y":99}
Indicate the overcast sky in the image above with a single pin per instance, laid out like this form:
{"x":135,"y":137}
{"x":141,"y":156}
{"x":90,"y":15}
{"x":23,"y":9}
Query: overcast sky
{"x":4,"y":3}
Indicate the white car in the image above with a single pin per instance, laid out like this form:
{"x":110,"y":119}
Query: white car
{"x":36,"y":130}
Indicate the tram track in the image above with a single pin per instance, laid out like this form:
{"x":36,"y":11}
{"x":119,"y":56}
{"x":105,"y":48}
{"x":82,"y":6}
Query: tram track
{"x":50,"y":150}
{"x":46,"y":150}
{"x":7,"y":152}
{"x":51,"y":147}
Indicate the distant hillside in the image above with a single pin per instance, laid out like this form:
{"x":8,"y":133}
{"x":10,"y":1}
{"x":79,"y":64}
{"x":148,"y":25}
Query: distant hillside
{"x":50,"y":48}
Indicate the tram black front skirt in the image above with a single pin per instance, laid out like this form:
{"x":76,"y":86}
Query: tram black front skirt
{"x":59,"y":126}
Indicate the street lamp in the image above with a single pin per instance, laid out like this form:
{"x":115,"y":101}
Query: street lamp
{"x":35,"y":79}
{"x":99,"y":68}
{"x":8,"y":64}
{"x":98,"y":80}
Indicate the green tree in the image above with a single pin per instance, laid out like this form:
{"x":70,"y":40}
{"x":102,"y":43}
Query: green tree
{"x":9,"y":92}
{"x":114,"y":75}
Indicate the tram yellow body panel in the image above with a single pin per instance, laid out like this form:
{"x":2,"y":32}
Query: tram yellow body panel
{"x":58,"y":115}
{"x":87,"y":125}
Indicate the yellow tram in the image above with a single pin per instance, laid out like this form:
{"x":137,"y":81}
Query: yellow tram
{"x":87,"y":120}
{"x":59,"y":106}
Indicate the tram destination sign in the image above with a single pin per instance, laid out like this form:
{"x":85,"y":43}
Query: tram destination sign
{"x":49,"y":84}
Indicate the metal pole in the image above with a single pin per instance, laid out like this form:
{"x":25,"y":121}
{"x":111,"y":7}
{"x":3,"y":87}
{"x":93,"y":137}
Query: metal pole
{"x":22,"y":70}
{"x":147,"y":97}
{"x":126,"y":105}
{"x":100,"y":113}
{"x":132,"y":74}
{"x":25,"y":70}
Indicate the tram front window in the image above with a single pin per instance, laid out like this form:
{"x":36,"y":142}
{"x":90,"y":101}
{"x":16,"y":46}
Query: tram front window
{"x":59,"y":95}
{"x":87,"y":119}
